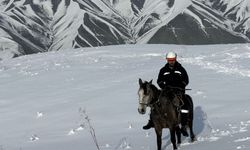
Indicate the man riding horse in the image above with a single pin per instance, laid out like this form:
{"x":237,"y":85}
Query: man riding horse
{"x":175,"y":76}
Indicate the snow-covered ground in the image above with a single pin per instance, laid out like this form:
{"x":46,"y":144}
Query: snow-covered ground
{"x":43,"y":97}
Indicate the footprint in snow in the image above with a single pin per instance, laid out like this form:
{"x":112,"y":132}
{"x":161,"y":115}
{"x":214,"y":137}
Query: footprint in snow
{"x":74,"y":131}
{"x":34,"y":138}
{"x":242,"y":139}
{"x":241,"y":147}
{"x":80,"y":128}
{"x":130,"y":125}
{"x":147,"y":134}
{"x":106,"y":146}
{"x":242,"y":127}
{"x":39,"y":114}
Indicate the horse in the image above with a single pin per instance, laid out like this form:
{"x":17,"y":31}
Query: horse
{"x":164,"y":112}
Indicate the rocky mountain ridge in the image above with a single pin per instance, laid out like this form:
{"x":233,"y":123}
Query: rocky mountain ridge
{"x":32,"y":26}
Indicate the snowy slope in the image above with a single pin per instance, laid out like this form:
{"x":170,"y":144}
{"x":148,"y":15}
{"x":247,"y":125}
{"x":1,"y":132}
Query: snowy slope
{"x":34,"y":26}
{"x":235,"y":10}
{"x":42,"y":97}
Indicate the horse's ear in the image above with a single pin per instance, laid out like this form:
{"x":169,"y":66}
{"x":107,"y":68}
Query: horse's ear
{"x":151,"y":81}
{"x":140,"y":81}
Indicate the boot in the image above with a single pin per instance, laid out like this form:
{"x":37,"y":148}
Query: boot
{"x":149,"y":125}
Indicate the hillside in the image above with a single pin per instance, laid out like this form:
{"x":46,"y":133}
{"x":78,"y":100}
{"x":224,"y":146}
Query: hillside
{"x":33,"y":26}
{"x":43,"y":96}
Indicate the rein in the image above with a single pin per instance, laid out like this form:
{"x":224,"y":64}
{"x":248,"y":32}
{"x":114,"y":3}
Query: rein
{"x":153,"y":102}
{"x":156,"y":105}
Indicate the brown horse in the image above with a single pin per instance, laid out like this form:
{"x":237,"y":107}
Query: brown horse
{"x":164,"y":110}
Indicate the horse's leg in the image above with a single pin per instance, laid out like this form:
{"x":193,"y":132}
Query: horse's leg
{"x":191,"y":117}
{"x":172,"y":136}
{"x":158,"y":132}
{"x":190,"y":124}
{"x":178,"y":134}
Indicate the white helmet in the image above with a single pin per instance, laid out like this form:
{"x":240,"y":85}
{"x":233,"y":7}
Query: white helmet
{"x":171,"y":56}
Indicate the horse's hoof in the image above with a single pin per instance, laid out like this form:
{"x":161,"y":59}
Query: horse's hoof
{"x":175,"y":148}
{"x":184,"y":132}
{"x":178,"y":145}
{"x":193,"y":139}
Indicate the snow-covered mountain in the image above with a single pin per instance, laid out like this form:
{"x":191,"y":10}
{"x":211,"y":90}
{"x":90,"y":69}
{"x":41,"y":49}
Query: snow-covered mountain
{"x":32,"y":26}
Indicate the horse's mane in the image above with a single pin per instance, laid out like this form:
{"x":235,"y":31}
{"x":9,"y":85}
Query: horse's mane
{"x":156,"y":92}
{"x":155,"y":89}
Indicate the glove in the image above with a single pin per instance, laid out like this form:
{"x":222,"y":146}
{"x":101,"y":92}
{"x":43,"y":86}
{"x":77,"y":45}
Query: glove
{"x":162,"y":84}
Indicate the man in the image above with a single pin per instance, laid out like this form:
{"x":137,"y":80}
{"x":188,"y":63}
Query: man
{"x":173,"y":75}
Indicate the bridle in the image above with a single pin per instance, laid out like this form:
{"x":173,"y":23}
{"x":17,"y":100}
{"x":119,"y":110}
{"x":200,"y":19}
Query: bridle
{"x":151,"y":96}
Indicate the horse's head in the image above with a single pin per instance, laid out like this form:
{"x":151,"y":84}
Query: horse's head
{"x":146,"y":95}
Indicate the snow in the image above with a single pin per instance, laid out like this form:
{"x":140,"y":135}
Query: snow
{"x":7,"y":47}
{"x":63,"y":27}
{"x":178,"y":7}
{"x":124,"y":7}
{"x":64,"y":99}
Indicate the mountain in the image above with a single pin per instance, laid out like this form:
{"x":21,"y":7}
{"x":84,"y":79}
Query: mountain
{"x":33,"y":26}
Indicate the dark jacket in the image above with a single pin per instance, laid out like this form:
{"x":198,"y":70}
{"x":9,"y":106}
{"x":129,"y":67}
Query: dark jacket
{"x":176,"y":77}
